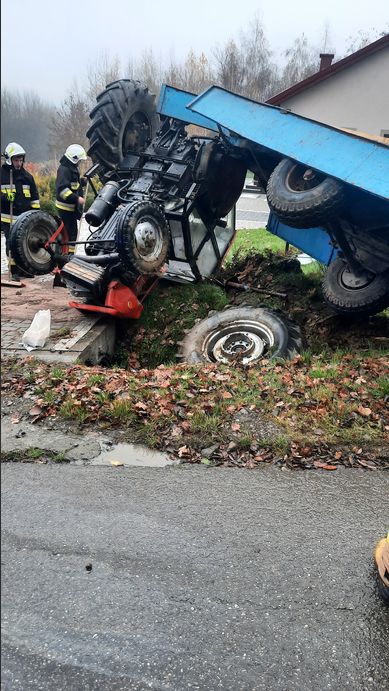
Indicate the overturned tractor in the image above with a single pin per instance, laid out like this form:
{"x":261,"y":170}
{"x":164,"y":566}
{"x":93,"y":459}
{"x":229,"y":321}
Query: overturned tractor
{"x":165,"y":207}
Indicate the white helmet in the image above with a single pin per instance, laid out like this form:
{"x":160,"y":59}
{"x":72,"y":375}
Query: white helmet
{"x":75,"y":153}
{"x":11,"y":150}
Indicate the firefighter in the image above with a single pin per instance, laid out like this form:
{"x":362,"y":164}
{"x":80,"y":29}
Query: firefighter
{"x":19,"y":193}
{"x":69,"y":199}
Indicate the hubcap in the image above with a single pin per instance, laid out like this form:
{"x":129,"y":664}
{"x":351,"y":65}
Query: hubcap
{"x":245,"y":342}
{"x":301,"y":179}
{"x":148,"y":239}
{"x":352,"y":282}
{"x":35,"y":245}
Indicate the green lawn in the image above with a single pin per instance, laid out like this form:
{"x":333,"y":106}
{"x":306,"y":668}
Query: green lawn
{"x":257,"y":240}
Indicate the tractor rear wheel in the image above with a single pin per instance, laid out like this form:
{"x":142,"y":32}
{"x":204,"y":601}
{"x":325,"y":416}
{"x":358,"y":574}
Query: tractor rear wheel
{"x":123,"y":121}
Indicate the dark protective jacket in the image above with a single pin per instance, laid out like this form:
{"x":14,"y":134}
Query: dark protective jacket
{"x":68,"y":186}
{"x":22,"y":192}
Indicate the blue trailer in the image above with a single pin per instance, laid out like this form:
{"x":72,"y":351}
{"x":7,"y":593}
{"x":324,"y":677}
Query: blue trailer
{"x":328,"y":189}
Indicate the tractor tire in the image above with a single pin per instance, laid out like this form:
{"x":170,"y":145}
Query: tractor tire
{"x":123,"y":121}
{"x":302,"y":197}
{"x":142,"y":237}
{"x":28,"y":235}
{"x":224,"y":178}
{"x":348,"y":295}
{"x":243,"y":334}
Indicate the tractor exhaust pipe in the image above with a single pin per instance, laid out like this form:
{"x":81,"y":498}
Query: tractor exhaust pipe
{"x":104,"y":205}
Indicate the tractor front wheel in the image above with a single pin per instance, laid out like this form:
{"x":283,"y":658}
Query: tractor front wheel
{"x":142,"y":237}
{"x":29,"y":234}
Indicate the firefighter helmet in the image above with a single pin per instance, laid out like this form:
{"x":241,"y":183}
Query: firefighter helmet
{"x":13,"y":149}
{"x":75,"y":153}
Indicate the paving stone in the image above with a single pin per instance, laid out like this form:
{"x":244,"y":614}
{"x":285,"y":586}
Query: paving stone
{"x":88,"y":339}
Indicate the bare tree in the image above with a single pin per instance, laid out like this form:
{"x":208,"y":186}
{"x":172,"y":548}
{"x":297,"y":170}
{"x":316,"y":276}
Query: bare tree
{"x":196,"y":72}
{"x":302,"y":60}
{"x":363,"y":37}
{"x":173,"y":75}
{"x":25,"y":119}
{"x":259,"y":73}
{"x":148,"y":71}
{"x":100,"y":74}
{"x":70,"y":123}
{"x":229,"y":69}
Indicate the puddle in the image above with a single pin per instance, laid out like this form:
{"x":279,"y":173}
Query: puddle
{"x":133,"y":455}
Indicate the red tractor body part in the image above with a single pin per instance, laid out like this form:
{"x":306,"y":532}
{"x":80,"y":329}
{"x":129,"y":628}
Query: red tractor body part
{"x":120,"y":301}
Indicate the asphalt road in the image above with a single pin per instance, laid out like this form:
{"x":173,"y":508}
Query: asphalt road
{"x":200,"y":579}
{"x":252,"y":210}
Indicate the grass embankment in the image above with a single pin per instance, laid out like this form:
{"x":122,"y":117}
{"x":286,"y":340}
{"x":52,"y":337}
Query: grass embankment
{"x":327,"y":407}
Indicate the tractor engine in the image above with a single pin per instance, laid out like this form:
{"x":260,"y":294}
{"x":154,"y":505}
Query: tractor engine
{"x":151,"y":207}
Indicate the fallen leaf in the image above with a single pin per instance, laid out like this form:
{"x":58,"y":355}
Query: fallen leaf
{"x":35,"y":410}
{"x":235,"y":426}
{"x":365,"y":412}
{"x":324,"y":466}
{"x":366,"y":465}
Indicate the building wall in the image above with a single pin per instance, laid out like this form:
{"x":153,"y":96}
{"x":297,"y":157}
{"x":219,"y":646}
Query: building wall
{"x":356,"y":97}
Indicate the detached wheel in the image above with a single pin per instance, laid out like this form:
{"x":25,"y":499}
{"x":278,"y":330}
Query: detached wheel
{"x":349,"y":294}
{"x":28,"y":236}
{"x":123,"y":121}
{"x":302,"y":197}
{"x":243,"y":334}
{"x":142,"y":237}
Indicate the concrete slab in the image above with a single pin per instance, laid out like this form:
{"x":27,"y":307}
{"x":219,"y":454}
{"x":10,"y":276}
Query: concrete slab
{"x":74,"y":337}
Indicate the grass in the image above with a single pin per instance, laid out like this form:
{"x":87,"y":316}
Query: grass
{"x":33,"y":454}
{"x":248,"y":242}
{"x":334,"y":393}
{"x":167,"y":314}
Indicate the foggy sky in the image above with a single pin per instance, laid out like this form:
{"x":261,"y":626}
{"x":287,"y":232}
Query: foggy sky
{"x":47,"y":44}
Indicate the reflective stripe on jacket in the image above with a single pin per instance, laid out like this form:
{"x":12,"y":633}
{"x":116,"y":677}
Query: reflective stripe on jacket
{"x":68,"y":185}
{"x":22,"y":193}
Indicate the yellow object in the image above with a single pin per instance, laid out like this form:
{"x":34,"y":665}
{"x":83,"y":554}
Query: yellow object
{"x":381,"y":558}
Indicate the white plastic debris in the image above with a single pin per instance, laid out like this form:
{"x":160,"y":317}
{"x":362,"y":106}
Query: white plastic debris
{"x":38,"y":332}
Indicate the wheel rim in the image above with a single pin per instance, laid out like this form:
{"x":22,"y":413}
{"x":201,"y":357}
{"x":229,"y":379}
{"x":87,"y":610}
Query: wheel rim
{"x":148,"y":239}
{"x":241,"y":341}
{"x":135,"y":133}
{"x":349,"y":281}
{"x":34,"y":245}
{"x":301,"y":179}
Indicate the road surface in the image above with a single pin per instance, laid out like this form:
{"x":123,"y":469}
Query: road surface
{"x":192,"y":578}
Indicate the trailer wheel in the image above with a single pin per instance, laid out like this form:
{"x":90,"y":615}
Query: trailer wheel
{"x":142,"y":237}
{"x":29,"y":233}
{"x":243,"y":334}
{"x":302,"y":197}
{"x":349,"y":294}
{"x":124,"y":120}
